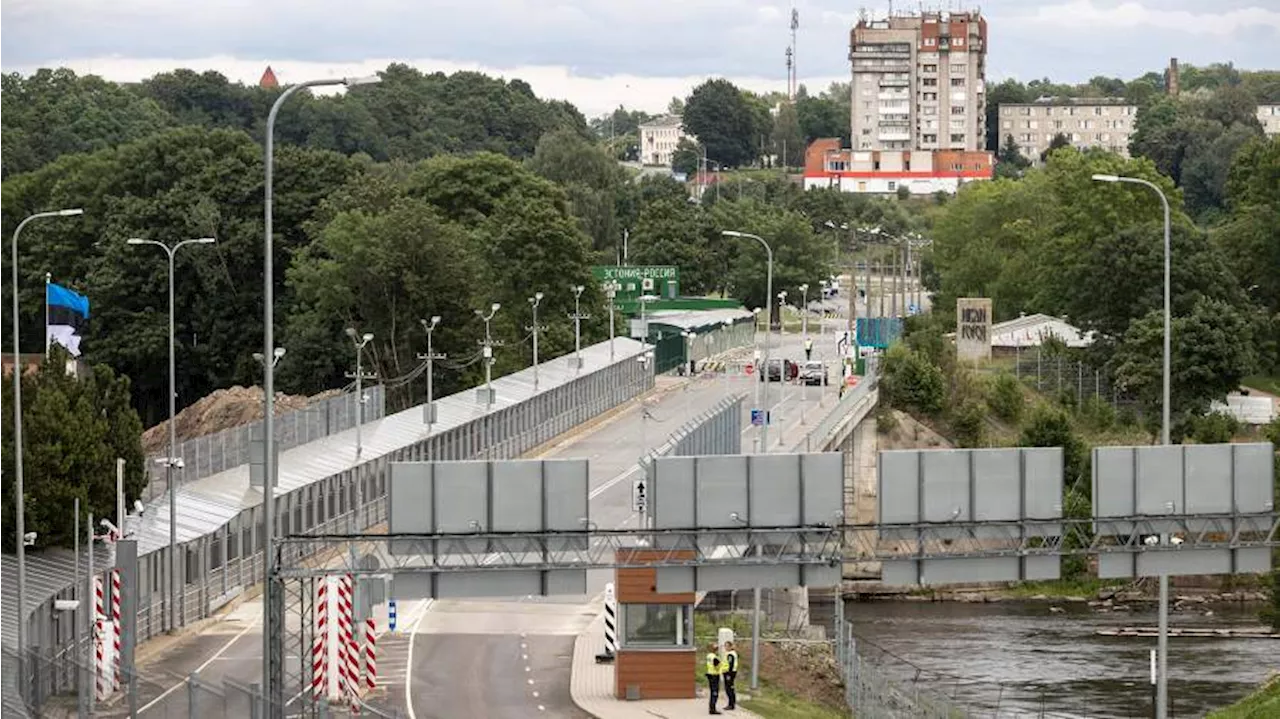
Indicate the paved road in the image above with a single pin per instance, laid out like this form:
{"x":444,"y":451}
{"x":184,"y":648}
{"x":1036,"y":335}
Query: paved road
{"x":460,"y":645}
{"x":467,"y":641}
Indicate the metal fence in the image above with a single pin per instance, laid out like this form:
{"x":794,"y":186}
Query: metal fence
{"x":1061,"y":377}
{"x":213,"y":453}
{"x":715,"y":431}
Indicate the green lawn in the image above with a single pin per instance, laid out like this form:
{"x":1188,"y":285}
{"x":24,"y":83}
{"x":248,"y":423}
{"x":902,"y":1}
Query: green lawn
{"x":1262,"y":704}
{"x":773,"y":703}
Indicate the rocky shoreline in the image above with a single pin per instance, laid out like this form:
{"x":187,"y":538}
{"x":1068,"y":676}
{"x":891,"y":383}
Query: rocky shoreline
{"x":1107,"y":599}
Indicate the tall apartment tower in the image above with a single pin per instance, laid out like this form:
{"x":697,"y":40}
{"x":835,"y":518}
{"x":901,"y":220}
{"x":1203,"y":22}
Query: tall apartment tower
{"x":919,"y":82}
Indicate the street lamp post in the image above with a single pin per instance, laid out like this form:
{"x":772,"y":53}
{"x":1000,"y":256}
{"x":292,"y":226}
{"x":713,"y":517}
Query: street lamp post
{"x":273,"y":666}
{"x":20,"y":519}
{"x":688,"y":351}
{"x":488,"y":345}
{"x":359,"y":341}
{"x":764,"y":439}
{"x":577,"y":318}
{"x":534,"y":302}
{"x":170,"y":461}
{"x":610,"y":292}
{"x":429,"y":410}
{"x":1162,"y":683}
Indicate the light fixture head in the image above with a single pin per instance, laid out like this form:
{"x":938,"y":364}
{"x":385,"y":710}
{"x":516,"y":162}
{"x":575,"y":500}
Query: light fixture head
{"x":351,"y":332}
{"x":366,"y":80}
{"x":368,"y":336}
{"x":71,"y":212}
{"x":497,"y":306}
{"x":205,"y":241}
{"x":278,"y":352}
{"x":435,"y":320}
{"x":135,"y":241}
{"x":479,"y":313}
{"x":1106,"y":178}
{"x":732,"y":233}
{"x":257,"y":357}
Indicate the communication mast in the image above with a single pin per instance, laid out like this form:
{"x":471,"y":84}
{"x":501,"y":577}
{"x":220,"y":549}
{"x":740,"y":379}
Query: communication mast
{"x":793,"y":83}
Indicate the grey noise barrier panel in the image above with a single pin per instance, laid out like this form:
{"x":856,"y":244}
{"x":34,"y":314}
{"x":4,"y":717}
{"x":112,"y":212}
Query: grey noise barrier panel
{"x":539,"y":495}
{"x":741,"y":492}
{"x":917,"y":486}
{"x":1173,"y":484}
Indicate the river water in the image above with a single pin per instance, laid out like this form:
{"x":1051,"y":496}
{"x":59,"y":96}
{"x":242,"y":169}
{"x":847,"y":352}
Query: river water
{"x":1018,"y":659}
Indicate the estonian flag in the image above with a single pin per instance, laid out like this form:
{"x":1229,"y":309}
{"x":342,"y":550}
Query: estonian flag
{"x":66,"y":314}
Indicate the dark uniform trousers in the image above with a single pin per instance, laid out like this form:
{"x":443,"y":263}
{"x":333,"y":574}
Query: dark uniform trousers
{"x":713,"y":691}
{"x":730,"y":677}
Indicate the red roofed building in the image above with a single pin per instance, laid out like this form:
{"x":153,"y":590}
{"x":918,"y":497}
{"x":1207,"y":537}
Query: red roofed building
{"x":268,"y":79}
{"x":922,"y":172}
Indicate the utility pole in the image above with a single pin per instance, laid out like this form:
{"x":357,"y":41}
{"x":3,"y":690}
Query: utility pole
{"x":534,"y":302}
{"x":577,"y":318}
{"x":488,"y":344}
{"x":429,"y":410}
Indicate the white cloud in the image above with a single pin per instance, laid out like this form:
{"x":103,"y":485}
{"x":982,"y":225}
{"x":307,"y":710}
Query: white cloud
{"x":592,"y":95}
{"x":1087,"y":14}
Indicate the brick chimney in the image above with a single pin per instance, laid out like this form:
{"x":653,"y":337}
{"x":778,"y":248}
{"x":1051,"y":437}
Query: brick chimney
{"x":1171,"y":78}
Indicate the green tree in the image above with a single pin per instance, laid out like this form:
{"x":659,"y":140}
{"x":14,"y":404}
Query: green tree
{"x":788,"y":137}
{"x":687,"y":157}
{"x":800,"y":255}
{"x":1010,"y":162}
{"x":719,"y":116}
{"x":672,"y":232}
{"x":823,"y":116}
{"x":1058,"y":142}
{"x":910,"y":382}
{"x":1212,"y":351}
{"x":591,"y":180}
{"x":1004,"y":397}
{"x":1007,"y":91}
{"x":1050,"y":426}
{"x":968,"y":423}
{"x":73,"y":431}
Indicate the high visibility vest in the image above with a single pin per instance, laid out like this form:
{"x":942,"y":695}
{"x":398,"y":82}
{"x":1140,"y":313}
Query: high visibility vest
{"x":713,"y":664}
{"x":808,"y":344}
{"x":731,"y":659}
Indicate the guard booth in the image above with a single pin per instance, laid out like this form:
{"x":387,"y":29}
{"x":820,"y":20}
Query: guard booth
{"x":656,"y":655}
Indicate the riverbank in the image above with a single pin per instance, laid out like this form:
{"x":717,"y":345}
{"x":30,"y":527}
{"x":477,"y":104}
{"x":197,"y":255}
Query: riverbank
{"x":1262,"y":704}
{"x":797,"y":680}
{"x":1098,"y":593}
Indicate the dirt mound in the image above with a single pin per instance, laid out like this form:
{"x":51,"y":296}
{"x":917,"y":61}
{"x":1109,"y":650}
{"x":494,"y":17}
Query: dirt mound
{"x":905,"y":432}
{"x":224,"y":409}
{"x":808,"y":671}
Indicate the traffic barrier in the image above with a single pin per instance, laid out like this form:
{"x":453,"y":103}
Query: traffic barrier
{"x":320,"y":647}
{"x":610,"y":620}
{"x":115,"y":627}
{"x":346,"y":649}
{"x":370,"y":655}
{"x":103,"y":682}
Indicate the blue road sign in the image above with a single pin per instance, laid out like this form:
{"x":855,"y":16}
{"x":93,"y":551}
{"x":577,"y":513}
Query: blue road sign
{"x":391,"y":615}
{"x":757,"y":417}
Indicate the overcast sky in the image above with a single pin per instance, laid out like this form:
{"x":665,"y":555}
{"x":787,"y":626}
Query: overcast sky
{"x":599,"y":53}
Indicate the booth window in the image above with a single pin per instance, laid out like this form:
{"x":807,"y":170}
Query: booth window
{"x":657,"y":625}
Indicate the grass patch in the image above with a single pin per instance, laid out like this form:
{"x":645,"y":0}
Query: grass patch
{"x":1263,"y":383}
{"x":772,"y":703}
{"x":1262,"y":704}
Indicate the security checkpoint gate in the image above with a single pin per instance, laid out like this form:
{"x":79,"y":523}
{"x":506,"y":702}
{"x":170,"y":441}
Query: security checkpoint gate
{"x":521,"y":527}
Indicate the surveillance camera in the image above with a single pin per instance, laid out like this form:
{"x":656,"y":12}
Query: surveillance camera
{"x":1151,"y":540}
{"x":1175,"y":541}
{"x":29,"y":539}
{"x":139,"y":507}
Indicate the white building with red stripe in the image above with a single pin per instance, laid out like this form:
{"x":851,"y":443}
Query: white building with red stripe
{"x":921,"y":172}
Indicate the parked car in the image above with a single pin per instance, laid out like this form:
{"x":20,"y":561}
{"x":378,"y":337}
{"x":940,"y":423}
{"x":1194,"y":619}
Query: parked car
{"x":814,"y":373}
{"x":779,"y":370}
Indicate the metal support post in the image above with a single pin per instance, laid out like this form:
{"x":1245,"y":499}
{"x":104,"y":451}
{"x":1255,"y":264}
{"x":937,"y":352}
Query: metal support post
{"x":430,"y":409}
{"x":577,"y":318}
{"x":535,"y":329}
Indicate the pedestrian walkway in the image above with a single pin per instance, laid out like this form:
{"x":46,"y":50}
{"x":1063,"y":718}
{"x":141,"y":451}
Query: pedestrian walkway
{"x":592,"y":687}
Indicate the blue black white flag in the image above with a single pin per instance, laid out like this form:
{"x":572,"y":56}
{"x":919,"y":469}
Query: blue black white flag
{"x":66,"y":314}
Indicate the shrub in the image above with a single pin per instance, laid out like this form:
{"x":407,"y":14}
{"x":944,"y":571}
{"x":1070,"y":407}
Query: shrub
{"x":911,"y":382}
{"x":1050,"y":426}
{"x":1098,"y":414}
{"x":1214,"y":428}
{"x":886,"y":420}
{"x":1004,"y":397}
{"x":968,"y":423}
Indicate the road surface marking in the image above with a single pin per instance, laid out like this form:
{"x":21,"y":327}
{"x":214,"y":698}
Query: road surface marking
{"x":408,"y":662}
{"x":201,"y":668}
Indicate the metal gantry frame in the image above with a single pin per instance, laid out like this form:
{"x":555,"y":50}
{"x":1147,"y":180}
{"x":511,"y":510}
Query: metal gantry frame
{"x":591,"y":548}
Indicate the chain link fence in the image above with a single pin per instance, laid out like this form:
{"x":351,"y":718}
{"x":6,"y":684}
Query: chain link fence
{"x":213,"y":453}
{"x":1062,"y":377}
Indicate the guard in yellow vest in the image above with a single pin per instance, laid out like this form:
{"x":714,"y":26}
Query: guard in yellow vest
{"x":714,"y":669}
{"x":730,"y":675}
{"x":808,"y":349}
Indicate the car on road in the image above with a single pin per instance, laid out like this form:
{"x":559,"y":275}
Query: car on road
{"x":780,"y":370}
{"x":814,"y":373}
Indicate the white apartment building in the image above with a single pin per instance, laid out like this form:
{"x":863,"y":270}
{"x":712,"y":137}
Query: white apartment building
{"x":919,"y":82}
{"x":1086,"y":122}
{"x":1269,"y":116}
{"x":658,"y":139}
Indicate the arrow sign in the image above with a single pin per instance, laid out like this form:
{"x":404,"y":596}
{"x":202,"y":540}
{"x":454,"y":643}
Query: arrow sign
{"x":639,"y":495}
{"x":391,"y":615}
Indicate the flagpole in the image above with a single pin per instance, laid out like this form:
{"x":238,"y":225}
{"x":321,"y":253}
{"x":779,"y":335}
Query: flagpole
{"x":47,"y":278}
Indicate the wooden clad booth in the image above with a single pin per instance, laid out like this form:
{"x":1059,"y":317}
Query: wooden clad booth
{"x":656,"y":655}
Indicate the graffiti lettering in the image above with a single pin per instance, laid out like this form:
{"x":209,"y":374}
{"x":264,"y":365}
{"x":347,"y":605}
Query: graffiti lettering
{"x":973,"y":315}
{"x":977,"y":333}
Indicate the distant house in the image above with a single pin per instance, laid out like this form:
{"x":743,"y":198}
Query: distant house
{"x":920,"y":172}
{"x":658,"y":139}
{"x":1032,"y":330}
